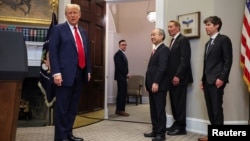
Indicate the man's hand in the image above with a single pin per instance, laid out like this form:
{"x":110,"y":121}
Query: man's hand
{"x":219,"y":83}
{"x":176,"y":81}
{"x":155,"y":88}
{"x":58,"y":80}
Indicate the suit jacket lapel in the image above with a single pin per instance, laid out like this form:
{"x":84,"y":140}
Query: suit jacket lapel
{"x":176,"y":41}
{"x":83,"y":38}
{"x":123,"y":56}
{"x":152,"y":56}
{"x":70,"y":34}
{"x":157,"y":49}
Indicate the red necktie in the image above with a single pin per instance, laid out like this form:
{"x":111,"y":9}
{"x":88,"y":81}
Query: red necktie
{"x":153,"y":52}
{"x":81,"y":54}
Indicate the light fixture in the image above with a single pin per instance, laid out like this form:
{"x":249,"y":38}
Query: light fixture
{"x":151,"y":15}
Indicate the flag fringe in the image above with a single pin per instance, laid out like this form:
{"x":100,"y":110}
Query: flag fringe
{"x":48,"y":104}
{"x":247,"y":82}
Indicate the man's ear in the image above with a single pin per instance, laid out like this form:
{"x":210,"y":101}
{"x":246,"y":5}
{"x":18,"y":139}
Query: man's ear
{"x":217,"y":26}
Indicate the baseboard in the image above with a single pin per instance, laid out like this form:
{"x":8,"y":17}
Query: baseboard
{"x":199,"y":126}
{"x":112,"y":99}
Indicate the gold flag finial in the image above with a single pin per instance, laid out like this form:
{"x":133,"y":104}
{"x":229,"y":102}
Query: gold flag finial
{"x":53,"y":4}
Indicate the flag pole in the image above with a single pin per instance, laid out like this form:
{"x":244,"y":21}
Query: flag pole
{"x":51,"y":115}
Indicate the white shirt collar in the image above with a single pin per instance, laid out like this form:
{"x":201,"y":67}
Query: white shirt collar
{"x":214,"y":36}
{"x":176,"y":35}
{"x":122,"y":51}
{"x":71,"y":26}
{"x":155,"y":47}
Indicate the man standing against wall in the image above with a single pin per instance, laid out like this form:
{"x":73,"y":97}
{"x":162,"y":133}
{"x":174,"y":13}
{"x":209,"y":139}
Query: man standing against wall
{"x":121,"y":76}
{"x":180,"y":74}
{"x":218,"y":58}
{"x":157,"y":85}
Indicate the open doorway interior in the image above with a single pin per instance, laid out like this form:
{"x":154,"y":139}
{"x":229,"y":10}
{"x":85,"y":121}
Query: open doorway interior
{"x":128,"y":20}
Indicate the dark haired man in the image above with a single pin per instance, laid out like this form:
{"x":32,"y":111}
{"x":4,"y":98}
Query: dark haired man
{"x":121,"y":76}
{"x":218,"y":58}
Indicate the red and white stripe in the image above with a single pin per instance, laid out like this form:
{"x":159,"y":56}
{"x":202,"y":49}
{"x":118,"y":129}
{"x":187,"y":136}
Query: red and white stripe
{"x":245,"y":45}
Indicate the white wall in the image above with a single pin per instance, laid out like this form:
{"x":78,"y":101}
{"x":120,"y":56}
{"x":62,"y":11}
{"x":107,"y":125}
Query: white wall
{"x":61,"y":9}
{"x":237,"y":97}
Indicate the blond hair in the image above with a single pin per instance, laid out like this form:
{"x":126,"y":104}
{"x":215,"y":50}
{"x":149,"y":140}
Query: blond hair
{"x":68,"y":6}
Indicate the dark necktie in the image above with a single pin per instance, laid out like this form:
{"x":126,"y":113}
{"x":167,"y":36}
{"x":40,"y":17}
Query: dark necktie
{"x":209,"y":44}
{"x":171,"y":43}
{"x":81,"y":53}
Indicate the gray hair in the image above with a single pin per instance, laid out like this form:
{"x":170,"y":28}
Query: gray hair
{"x":161,"y":32}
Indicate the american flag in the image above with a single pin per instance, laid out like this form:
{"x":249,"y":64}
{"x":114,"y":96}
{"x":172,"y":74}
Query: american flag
{"x":45,"y":83}
{"x":245,"y":45}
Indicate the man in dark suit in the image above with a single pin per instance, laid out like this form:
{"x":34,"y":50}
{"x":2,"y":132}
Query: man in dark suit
{"x":69,"y":56}
{"x":218,"y":58}
{"x":157,"y":85}
{"x":121,"y":76}
{"x":180,"y":75}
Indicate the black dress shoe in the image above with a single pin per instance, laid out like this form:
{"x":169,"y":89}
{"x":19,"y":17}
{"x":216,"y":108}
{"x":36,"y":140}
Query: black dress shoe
{"x":159,"y":138}
{"x":152,"y":134}
{"x":170,"y":128}
{"x":62,"y":140}
{"x":177,"y":132}
{"x":73,"y":138}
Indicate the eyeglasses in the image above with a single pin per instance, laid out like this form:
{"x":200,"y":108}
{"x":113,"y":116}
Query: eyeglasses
{"x":123,"y":44}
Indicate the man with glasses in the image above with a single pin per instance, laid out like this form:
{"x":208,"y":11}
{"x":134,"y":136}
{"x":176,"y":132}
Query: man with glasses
{"x":121,"y":76}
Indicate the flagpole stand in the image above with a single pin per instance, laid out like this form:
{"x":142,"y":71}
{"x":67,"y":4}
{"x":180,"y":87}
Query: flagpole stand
{"x":51,"y":115}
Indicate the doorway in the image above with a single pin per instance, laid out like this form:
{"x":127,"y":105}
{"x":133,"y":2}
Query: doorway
{"x":126,"y":21}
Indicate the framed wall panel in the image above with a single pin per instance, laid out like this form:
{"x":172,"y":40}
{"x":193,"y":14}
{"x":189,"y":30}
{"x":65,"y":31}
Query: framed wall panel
{"x":190,"y":24}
